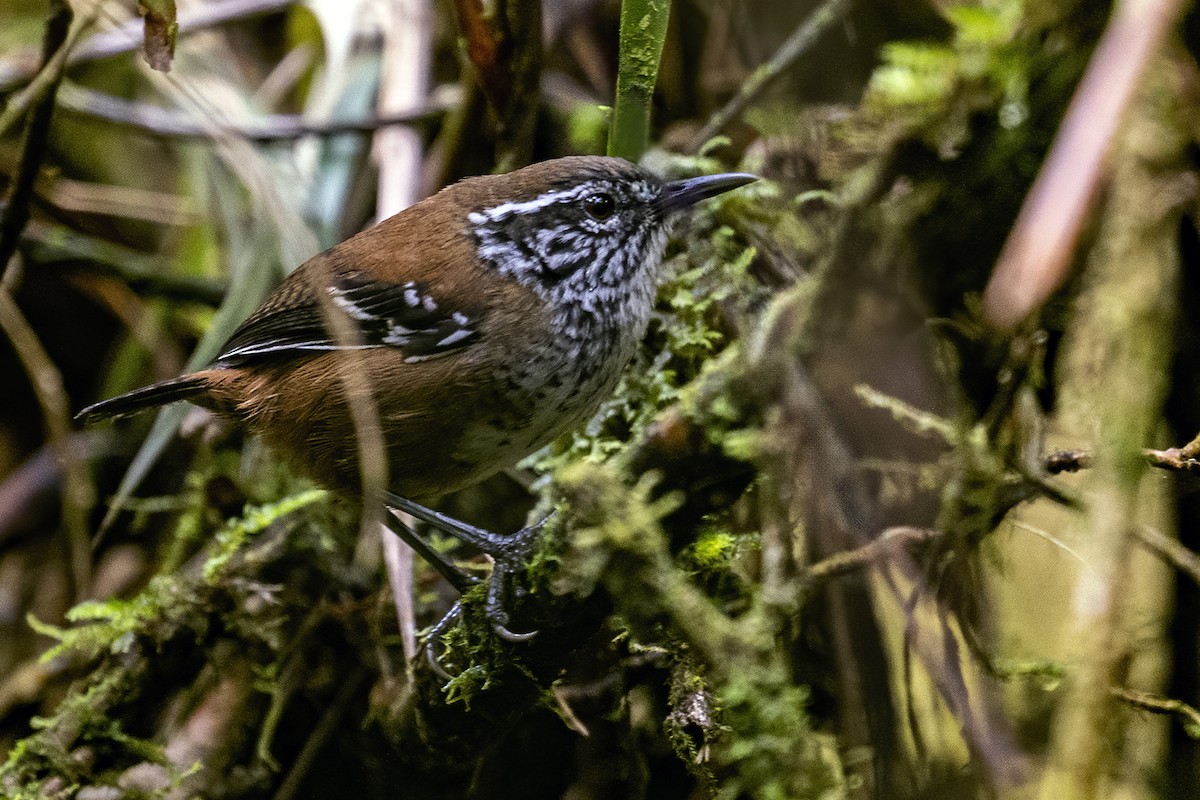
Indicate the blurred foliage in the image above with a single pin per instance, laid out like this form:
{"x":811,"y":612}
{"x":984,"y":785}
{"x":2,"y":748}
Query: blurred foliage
{"x":810,"y":548}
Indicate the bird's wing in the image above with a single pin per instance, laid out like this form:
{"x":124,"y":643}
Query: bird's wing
{"x":406,"y":316}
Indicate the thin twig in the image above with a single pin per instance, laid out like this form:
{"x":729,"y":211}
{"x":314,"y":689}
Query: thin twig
{"x":1157,"y":704}
{"x":165,"y":123}
{"x":1054,"y":540}
{"x":35,"y":140}
{"x":1170,"y":550}
{"x":567,"y":713}
{"x":50,"y":74}
{"x":127,"y":36}
{"x":807,"y":34}
{"x":289,"y":681}
{"x":398,"y":563}
{"x":844,"y":563}
{"x":1173,"y":459}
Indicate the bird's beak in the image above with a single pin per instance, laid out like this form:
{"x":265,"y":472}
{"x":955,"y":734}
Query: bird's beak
{"x":689,"y":191}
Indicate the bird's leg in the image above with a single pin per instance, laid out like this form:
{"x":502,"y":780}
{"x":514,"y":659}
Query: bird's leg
{"x":460,"y":580}
{"x":454,"y":576}
{"x":509,"y":554}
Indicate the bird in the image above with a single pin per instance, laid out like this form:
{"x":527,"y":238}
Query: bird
{"x":485,"y":321}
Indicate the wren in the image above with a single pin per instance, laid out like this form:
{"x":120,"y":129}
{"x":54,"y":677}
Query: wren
{"x":487,"y":320}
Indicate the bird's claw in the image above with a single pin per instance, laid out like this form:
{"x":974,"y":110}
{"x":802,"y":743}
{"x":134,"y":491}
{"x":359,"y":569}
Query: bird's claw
{"x":512,"y":555}
{"x":435,"y":635}
{"x":509,"y":555}
{"x":512,"y":636}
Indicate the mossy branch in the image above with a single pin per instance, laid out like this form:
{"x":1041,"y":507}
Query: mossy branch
{"x":767,"y":747}
{"x":619,"y":543}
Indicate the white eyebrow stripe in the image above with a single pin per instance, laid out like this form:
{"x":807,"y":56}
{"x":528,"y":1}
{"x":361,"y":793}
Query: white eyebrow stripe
{"x":508,"y":209}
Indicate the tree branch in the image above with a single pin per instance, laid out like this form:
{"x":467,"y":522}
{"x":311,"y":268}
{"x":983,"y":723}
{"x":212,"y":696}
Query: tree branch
{"x":852,"y":560}
{"x":1173,"y":459}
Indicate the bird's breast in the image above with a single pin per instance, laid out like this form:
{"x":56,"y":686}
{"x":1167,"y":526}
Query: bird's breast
{"x":549,"y":388}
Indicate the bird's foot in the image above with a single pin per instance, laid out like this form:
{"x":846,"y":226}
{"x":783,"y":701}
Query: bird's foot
{"x":509,"y":554}
{"x":510,"y":557}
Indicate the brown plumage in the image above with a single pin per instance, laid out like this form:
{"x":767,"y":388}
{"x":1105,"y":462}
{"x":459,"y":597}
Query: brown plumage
{"x":486,"y":319}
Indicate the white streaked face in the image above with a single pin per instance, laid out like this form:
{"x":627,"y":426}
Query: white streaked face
{"x":574,"y":241}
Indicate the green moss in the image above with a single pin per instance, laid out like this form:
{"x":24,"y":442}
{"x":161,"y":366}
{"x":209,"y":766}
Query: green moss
{"x":986,"y":57}
{"x":232,"y":537}
{"x":915,"y":419}
{"x":82,"y":718}
{"x":476,"y":659}
{"x":714,"y":549}
{"x":207,"y":603}
{"x":771,"y":751}
{"x":1048,"y":675}
{"x":608,"y":521}
{"x":111,"y":626}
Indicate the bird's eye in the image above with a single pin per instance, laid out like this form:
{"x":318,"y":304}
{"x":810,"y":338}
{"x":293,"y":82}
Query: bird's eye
{"x":599,"y":206}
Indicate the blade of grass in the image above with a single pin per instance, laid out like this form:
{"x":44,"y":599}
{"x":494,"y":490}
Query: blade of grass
{"x":251,"y":251}
{"x":404,"y":83}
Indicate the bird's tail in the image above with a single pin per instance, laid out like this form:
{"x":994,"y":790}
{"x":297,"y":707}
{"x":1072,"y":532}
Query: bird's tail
{"x":156,"y":394}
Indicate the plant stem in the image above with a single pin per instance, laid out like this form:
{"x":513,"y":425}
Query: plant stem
{"x":643,"y":30}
